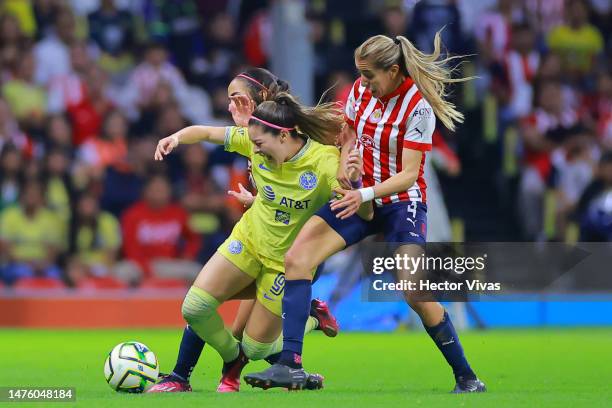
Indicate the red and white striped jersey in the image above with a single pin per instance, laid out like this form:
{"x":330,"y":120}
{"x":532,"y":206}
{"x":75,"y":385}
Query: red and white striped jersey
{"x":384,"y":127}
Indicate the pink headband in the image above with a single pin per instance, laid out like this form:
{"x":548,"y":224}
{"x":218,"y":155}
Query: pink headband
{"x":272,"y":125}
{"x":251,"y":79}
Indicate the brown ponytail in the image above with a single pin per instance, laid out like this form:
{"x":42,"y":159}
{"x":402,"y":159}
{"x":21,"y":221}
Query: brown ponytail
{"x":322,"y":122}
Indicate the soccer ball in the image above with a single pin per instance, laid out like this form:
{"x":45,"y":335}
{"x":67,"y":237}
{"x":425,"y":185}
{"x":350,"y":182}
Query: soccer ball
{"x":131,"y":367}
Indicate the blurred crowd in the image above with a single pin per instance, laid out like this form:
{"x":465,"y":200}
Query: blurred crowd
{"x":87,"y":87}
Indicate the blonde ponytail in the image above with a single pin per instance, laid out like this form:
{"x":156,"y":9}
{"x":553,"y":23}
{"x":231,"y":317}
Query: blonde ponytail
{"x":430,"y":74}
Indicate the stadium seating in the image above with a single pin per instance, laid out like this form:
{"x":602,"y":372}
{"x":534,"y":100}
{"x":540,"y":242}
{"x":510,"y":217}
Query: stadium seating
{"x":39,"y":283}
{"x":105,"y":282}
{"x":163,"y":283}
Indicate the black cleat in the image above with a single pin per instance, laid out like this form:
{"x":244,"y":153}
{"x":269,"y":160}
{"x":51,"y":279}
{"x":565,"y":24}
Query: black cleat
{"x":279,"y":376}
{"x":465,"y":385}
{"x":314,"y":382}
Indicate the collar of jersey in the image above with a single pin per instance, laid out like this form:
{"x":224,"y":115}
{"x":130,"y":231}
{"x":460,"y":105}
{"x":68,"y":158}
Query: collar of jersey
{"x":302,"y":150}
{"x":403,"y":88}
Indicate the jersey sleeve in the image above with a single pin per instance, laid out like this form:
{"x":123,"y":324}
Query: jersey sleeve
{"x":420,"y":127}
{"x":330,"y":163}
{"x":237,"y":140}
{"x":349,"y":108}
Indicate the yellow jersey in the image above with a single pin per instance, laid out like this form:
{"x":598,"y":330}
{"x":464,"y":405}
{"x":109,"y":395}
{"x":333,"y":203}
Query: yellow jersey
{"x":287,"y":194}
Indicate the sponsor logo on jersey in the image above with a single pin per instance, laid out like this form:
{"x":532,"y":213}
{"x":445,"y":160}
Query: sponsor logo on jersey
{"x":425,"y":112}
{"x":308,"y":180}
{"x":297,"y":204}
{"x":367,"y":142}
{"x":235,"y":247}
{"x":278,"y":285}
{"x":283,"y":217}
{"x":268,"y":193}
{"x":268,"y":297}
{"x":376,"y":116}
{"x":419,"y":131}
{"x":261,"y":166}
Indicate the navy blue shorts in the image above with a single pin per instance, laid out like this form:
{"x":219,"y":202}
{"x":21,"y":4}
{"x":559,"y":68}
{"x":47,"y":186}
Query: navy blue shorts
{"x":318,"y":272}
{"x":405,"y":222}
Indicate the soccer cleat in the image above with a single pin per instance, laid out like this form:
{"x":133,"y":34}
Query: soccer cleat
{"x":278,"y":376}
{"x":327,"y":322}
{"x":314,"y":382}
{"x":465,"y":385}
{"x":230,"y":378}
{"x":170,"y":383}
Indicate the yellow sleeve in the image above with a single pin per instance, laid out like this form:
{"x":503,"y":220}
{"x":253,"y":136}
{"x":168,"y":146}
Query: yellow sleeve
{"x":329,"y":163}
{"x":109,"y":231}
{"x":237,"y":140}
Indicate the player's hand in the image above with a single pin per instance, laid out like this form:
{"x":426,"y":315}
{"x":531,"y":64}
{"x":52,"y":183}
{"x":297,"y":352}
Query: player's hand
{"x":354,"y":165}
{"x":165,"y":146}
{"x":244,"y":109}
{"x":348,"y":204}
{"x":244,"y":196}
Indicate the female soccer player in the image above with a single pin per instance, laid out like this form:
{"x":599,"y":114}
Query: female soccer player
{"x":392,"y":111}
{"x":246,"y":91}
{"x":295,"y":175}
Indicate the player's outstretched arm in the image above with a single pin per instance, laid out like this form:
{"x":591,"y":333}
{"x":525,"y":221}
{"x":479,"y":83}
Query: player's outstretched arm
{"x":402,"y":181}
{"x":189,"y":135}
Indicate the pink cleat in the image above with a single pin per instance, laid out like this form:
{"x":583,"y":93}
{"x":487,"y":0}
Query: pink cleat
{"x":327,"y":322}
{"x":230,"y":379}
{"x":171,"y":383}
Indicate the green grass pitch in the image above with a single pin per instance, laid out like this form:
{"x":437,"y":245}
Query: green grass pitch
{"x":529,"y":368}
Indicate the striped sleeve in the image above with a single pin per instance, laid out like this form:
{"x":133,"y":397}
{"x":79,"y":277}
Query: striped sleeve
{"x":349,"y":108}
{"x":420,"y":126}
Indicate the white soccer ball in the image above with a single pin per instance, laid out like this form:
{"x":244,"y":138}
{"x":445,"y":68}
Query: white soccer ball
{"x":131,"y":367}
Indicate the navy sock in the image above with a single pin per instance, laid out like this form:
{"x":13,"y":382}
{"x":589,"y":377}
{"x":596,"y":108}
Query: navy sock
{"x":445,"y":337}
{"x":273,"y":358}
{"x":296,"y":309}
{"x":189,"y":353}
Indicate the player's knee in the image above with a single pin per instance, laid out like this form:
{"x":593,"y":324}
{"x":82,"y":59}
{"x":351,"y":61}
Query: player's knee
{"x":425,"y":309}
{"x":254,"y":349}
{"x":297,"y":265}
{"x":198,"y":305}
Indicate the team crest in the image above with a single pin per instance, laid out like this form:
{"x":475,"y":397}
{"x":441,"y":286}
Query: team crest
{"x":235,"y":247}
{"x":308,"y":180}
{"x":376,"y":116}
